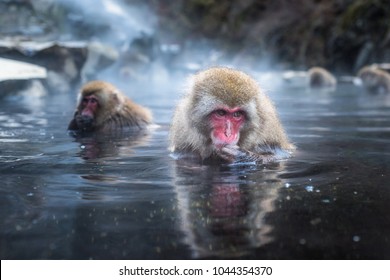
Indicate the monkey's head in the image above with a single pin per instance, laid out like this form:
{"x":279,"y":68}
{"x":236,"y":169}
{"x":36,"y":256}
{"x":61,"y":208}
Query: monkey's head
{"x":320,"y":77}
{"x":317,"y":77}
{"x":371,"y":77}
{"x":96,"y":102}
{"x":223,"y":114}
{"x":226,"y":101}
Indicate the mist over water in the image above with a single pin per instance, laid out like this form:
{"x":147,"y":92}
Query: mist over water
{"x":145,"y":55}
{"x":115,"y":22}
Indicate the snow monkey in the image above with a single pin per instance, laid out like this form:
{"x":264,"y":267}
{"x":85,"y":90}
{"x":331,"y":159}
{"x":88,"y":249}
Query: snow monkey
{"x":321,"y":78}
{"x":102,"y":107}
{"x":226,"y":117}
{"x":375,"y":80}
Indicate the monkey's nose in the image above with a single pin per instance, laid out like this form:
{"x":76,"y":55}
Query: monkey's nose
{"x":228,"y":129}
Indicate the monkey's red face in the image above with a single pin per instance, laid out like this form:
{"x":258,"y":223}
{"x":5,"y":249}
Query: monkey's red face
{"x":89,"y":105}
{"x":226,"y":124}
{"x":87,"y":114}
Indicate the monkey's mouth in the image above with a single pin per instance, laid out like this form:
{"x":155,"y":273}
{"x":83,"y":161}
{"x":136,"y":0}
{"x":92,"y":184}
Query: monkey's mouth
{"x":221,"y":140}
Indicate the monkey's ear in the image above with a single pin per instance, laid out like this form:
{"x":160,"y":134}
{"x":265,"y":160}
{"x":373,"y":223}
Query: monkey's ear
{"x":116,"y":98}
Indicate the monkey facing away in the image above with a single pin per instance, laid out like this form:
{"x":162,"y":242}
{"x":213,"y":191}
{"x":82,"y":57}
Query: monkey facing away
{"x":102,"y":107}
{"x":375,"y":80}
{"x":321,"y":78}
{"x":225,"y":117}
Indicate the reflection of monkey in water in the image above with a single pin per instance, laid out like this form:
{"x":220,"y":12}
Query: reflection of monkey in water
{"x":375,"y":80}
{"x":321,"y":78}
{"x":102,"y":107}
{"x":99,"y":146}
{"x":221,"y":215}
{"x":226,"y":116}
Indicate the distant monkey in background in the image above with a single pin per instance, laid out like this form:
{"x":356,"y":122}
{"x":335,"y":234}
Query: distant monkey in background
{"x":375,"y":80}
{"x":102,"y":107}
{"x":321,"y":78}
{"x":226,"y":117}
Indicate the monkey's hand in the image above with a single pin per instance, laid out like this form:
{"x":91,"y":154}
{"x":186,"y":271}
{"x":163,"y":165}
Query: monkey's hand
{"x":84,"y":122}
{"x":233,"y":154}
{"x":230,"y":153}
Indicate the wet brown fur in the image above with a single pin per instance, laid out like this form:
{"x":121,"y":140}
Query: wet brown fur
{"x":115,"y":110}
{"x":375,"y":80}
{"x":320,"y":77}
{"x":218,"y":87}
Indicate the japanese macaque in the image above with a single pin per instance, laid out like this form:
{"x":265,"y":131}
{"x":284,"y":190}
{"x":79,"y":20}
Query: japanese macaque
{"x":226,"y":117}
{"x":102,"y":107}
{"x":321,"y":78}
{"x":375,"y":80}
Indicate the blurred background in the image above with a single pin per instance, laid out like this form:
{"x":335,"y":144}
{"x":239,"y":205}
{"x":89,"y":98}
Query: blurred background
{"x":131,"y":37}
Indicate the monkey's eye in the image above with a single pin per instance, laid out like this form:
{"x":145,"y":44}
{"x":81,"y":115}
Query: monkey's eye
{"x":93,"y":100}
{"x":90,"y":100}
{"x":238,"y":114}
{"x":220,"y":112}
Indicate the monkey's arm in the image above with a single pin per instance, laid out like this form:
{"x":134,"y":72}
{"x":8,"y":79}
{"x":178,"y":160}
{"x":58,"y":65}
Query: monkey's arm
{"x":233,"y":154}
{"x":72,"y":125}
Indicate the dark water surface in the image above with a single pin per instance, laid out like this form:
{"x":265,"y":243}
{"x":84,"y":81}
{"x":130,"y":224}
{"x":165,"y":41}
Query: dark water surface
{"x":126,"y":198}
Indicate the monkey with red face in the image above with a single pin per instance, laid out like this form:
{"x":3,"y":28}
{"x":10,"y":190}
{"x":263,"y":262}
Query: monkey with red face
{"x":102,"y":107}
{"x":226,"y":117}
